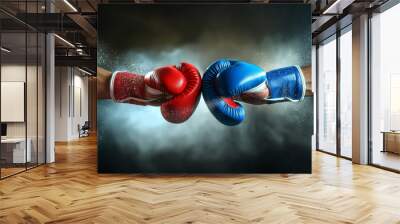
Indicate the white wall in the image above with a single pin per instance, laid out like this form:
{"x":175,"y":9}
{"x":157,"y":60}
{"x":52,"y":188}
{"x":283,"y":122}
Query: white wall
{"x":62,"y":81}
{"x":71,"y":102}
{"x":81,"y":84}
{"x":13,"y":73}
{"x":33,"y":127}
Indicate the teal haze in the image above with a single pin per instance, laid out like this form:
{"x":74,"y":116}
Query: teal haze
{"x":138,"y":38}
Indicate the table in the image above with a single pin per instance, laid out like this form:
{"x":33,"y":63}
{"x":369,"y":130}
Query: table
{"x":391,"y":141}
{"x":16,"y":147}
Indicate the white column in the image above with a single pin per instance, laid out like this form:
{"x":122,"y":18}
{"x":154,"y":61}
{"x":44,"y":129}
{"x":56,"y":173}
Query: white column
{"x":50,"y":92}
{"x":50,"y":100}
{"x":360,"y":90}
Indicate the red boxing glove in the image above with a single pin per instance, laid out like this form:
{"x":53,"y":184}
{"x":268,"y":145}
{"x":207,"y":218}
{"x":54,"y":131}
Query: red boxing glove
{"x":175,"y":88}
{"x":180,"y":107}
{"x":166,"y":80}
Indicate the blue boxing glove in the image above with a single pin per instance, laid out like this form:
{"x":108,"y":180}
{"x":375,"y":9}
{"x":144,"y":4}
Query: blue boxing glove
{"x":226,"y":80}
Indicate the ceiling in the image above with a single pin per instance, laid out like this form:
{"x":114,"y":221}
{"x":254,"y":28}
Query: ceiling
{"x":76,"y":20}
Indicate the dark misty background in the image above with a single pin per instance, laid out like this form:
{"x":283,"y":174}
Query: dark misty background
{"x":273,"y":138}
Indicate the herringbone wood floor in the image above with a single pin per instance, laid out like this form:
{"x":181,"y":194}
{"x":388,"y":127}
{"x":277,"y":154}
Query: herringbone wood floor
{"x":71,"y":191}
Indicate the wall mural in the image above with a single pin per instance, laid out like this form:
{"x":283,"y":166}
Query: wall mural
{"x":204,"y":88}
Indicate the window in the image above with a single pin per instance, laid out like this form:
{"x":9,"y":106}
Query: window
{"x":346,"y":93}
{"x":22,"y":75}
{"x":385,"y":89}
{"x":327,"y":97}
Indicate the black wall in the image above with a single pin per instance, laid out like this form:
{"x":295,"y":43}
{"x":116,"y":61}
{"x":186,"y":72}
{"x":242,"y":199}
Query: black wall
{"x":139,"y":38}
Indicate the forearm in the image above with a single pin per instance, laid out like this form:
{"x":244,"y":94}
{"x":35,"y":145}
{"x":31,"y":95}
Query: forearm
{"x":103,"y":83}
{"x":307,"y":75}
{"x":132,"y":90}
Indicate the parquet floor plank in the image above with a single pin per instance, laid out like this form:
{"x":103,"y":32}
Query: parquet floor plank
{"x":71,"y":191}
